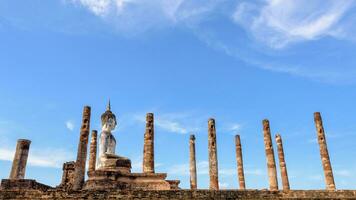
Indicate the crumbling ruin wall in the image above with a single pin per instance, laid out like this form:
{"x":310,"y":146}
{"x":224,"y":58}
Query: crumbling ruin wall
{"x":179,"y":194}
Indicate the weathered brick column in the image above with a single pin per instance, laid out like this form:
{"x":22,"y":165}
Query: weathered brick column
{"x":213,"y":157}
{"x":271,"y":163}
{"x":192,"y":163}
{"x":148,"y":149}
{"x":282,"y":163}
{"x":79,"y":172}
{"x":240,"y":165}
{"x":325,"y":159}
{"x":68,"y":173}
{"x":93,"y":149}
{"x":18,"y":169}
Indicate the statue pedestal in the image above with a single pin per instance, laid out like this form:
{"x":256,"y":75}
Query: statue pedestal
{"x":116,"y":163}
{"x":115,"y":173}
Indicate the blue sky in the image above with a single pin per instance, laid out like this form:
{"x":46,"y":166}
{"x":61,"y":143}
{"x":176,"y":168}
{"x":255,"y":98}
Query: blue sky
{"x":237,"y":61}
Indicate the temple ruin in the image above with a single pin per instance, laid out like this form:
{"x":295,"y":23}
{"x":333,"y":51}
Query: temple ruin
{"x":109,"y":175}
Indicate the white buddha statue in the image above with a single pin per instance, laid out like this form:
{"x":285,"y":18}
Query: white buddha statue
{"x":107,"y":140}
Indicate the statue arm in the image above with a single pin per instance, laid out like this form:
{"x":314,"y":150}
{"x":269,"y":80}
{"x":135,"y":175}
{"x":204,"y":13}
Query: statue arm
{"x":103,"y":148}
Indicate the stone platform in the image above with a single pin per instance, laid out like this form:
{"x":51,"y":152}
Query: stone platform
{"x":115,"y":173}
{"x":22,"y":184}
{"x":103,"y":179}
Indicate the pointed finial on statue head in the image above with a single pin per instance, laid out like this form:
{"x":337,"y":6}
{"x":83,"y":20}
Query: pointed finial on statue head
{"x":109,"y":106}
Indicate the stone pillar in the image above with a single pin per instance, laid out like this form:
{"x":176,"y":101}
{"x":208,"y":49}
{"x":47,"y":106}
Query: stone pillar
{"x":240,"y":165}
{"x":148,"y":149}
{"x":20,"y":159}
{"x":93,"y":149}
{"x":213,"y":157}
{"x":79,"y":172}
{"x":329,"y":177}
{"x":271,"y":163}
{"x":193,"y":164}
{"x":282,"y":163}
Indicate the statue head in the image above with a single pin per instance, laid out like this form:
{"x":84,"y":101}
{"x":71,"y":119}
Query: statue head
{"x":108,"y":120}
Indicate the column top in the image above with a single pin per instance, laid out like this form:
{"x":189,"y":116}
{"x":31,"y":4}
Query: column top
{"x":25,"y":141}
{"x":317,"y":115}
{"x":87,"y":107}
{"x":211,"y":120}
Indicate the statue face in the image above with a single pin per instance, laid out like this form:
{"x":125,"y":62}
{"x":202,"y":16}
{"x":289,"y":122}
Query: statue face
{"x":109,"y":125}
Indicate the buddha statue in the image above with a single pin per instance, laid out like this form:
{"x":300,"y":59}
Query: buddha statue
{"x":107,"y":157}
{"x":107,"y":140}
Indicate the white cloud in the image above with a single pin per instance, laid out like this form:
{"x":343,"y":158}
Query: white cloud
{"x":53,"y":158}
{"x":223,"y":185}
{"x":344,"y":173}
{"x":6,"y":154}
{"x":227,"y":172}
{"x":103,"y":7}
{"x":171,"y":126}
{"x":183,"y":169}
{"x":274,"y":23}
{"x":279,"y":23}
{"x":255,"y":172}
{"x":312,"y":141}
{"x":233,"y":172}
{"x":316,"y":177}
{"x":134,"y":16}
{"x":180,"y":123}
{"x":137,"y":164}
{"x":234,"y":127}
{"x":70,"y":125}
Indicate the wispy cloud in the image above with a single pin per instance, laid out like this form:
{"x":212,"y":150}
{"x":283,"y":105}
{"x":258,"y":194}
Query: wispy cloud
{"x":183,"y":169}
{"x":181,"y":123}
{"x":131,"y":17}
{"x":53,"y":158}
{"x":171,"y":126}
{"x":279,"y":23}
{"x":316,"y":177}
{"x":254,"y":172}
{"x":223,"y":185}
{"x":343,"y":172}
{"x":232,"y":128}
{"x":274,"y":22}
{"x":243,"y":26}
{"x":312,"y":141}
{"x":271,"y":26}
{"x":203,"y":169}
{"x":247,"y":171}
{"x":70,"y":125}
{"x":319,"y":67}
{"x":137,"y":164}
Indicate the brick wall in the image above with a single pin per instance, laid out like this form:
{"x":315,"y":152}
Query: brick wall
{"x":178,"y":194}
